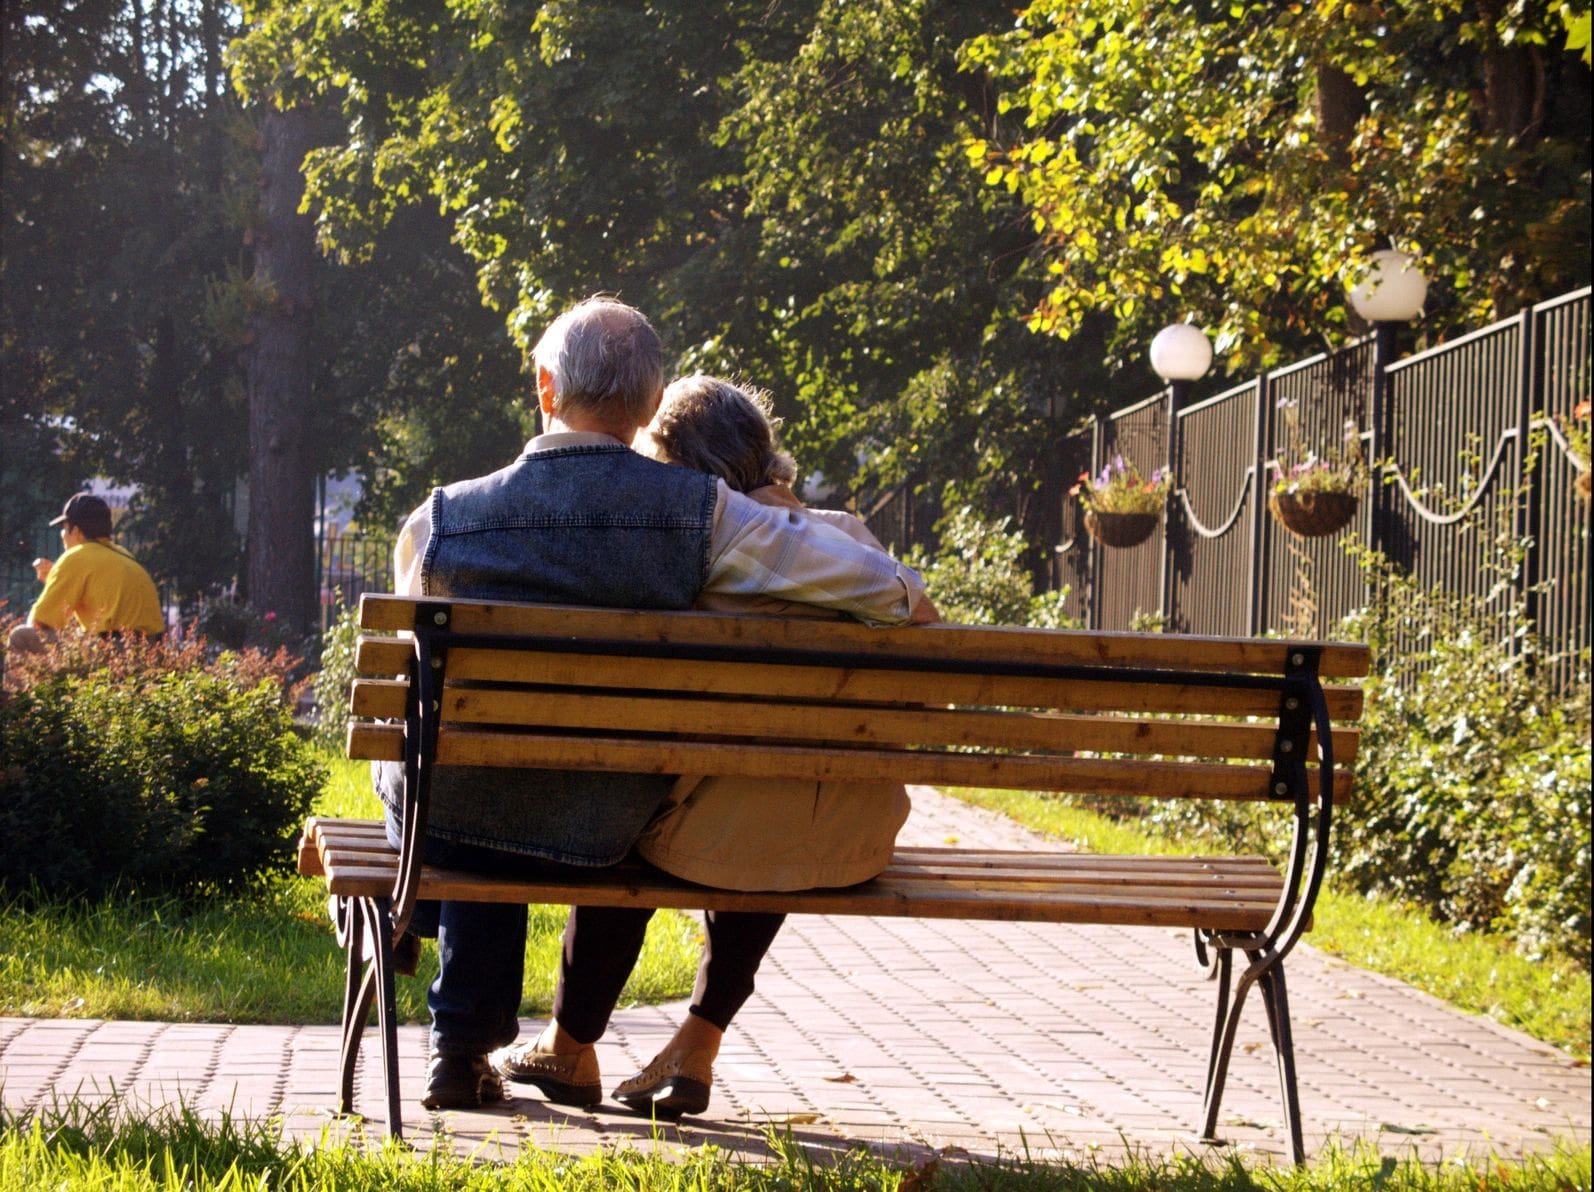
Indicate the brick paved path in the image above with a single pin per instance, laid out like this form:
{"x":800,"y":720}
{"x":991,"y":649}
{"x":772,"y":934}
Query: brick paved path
{"x":914,"y":1036}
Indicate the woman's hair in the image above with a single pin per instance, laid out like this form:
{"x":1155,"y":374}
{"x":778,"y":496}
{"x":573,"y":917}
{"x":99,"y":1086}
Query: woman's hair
{"x":721,"y":428}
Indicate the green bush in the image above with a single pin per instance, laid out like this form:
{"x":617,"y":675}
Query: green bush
{"x":332,"y":681}
{"x":980,"y":577}
{"x":176,"y":781}
{"x":1473,"y":777}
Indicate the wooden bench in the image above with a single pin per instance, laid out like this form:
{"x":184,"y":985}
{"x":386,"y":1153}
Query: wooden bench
{"x":1114,"y":714}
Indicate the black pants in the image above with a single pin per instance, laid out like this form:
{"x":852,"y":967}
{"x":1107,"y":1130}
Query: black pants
{"x":601,"y":946}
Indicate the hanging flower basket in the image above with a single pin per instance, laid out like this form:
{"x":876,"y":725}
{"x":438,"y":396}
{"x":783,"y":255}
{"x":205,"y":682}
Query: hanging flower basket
{"x":1120,"y":529}
{"x":1313,"y":514}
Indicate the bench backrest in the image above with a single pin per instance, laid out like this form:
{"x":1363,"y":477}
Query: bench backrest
{"x":1157,"y":715}
{"x":700,"y":693}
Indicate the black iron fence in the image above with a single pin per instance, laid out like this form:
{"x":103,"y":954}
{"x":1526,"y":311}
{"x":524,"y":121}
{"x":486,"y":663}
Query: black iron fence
{"x":349,"y":564}
{"x":1463,"y":441}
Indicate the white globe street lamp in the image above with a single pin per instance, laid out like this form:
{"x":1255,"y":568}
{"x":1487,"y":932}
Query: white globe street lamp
{"x":1181,"y":352}
{"x":1391,"y":289}
{"x":1389,"y":292}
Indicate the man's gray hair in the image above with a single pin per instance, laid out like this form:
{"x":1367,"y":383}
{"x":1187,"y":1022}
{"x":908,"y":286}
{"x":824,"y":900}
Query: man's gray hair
{"x":604,"y":357}
{"x":721,"y":428}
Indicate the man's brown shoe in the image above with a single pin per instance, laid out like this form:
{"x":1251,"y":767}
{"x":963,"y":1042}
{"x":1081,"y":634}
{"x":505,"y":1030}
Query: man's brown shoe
{"x":673,"y":1083}
{"x":461,"y":1082}
{"x":564,"y":1079}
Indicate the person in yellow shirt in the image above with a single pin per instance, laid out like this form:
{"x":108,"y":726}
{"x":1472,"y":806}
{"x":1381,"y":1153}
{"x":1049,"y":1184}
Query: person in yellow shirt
{"x":95,"y":582}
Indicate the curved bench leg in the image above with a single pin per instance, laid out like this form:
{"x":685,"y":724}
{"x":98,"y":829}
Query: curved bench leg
{"x":386,"y":1014}
{"x":1277,"y":1002}
{"x":1268,"y":972}
{"x":1225,"y":1023}
{"x":1221,"y":971}
{"x":363,"y":929}
{"x":357,"y":990}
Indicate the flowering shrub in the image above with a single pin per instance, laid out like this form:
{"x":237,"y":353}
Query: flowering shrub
{"x":148,"y":766}
{"x":178,"y":781}
{"x":1472,"y":774}
{"x":137,"y":660}
{"x":1120,"y":488}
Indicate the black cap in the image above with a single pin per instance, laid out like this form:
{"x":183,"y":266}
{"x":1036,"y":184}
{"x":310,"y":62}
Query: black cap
{"x":88,"y":513}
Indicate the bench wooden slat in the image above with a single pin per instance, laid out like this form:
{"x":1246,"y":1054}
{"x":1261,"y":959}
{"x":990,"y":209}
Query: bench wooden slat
{"x":342,"y":838}
{"x":1046,"y":878}
{"x":391,"y":656}
{"x":1119,"y":905}
{"x":947,"y":855}
{"x":390,"y":614}
{"x":886,"y":895}
{"x":362,"y":855}
{"x":321,"y":827}
{"x":1019,"y":729}
{"x":1149,"y":881}
{"x":1076,"y":775}
{"x":1207,"y":888}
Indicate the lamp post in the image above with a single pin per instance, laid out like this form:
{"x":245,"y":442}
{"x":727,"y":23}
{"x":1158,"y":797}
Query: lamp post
{"x":1388,"y":293}
{"x":1181,"y":353}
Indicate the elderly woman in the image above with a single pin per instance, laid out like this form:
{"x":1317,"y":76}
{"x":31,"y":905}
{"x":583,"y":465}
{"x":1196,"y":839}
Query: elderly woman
{"x":731,"y":833}
{"x":749,"y":833}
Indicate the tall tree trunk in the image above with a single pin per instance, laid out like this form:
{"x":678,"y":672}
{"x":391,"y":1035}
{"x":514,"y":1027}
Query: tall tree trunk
{"x":1515,"y":91}
{"x":1513,"y":83}
{"x":1338,"y":104}
{"x":210,"y":34}
{"x":280,"y":546}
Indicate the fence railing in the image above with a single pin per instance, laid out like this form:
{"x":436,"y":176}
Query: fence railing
{"x":1450,"y":434}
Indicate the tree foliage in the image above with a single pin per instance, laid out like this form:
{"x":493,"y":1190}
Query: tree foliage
{"x":1229,"y":162}
{"x":116,"y":157}
{"x":131,"y":305}
{"x":782,"y":188}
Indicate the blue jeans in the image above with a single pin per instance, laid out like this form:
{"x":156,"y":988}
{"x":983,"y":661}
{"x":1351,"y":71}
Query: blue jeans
{"x":481,"y":949}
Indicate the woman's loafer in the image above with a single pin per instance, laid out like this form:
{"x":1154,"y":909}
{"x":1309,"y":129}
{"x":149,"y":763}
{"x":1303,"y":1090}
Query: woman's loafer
{"x":673,"y":1084}
{"x":563,"y":1079}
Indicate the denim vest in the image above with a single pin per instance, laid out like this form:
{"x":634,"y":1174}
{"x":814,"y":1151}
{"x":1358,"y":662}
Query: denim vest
{"x":589,"y":524}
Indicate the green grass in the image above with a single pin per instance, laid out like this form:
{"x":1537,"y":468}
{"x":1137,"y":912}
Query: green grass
{"x":1548,"y":999}
{"x":73,"y":1146}
{"x":265,"y":957}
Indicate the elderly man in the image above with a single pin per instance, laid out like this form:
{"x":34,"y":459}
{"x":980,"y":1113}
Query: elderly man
{"x":95,"y":583}
{"x":580,"y":518}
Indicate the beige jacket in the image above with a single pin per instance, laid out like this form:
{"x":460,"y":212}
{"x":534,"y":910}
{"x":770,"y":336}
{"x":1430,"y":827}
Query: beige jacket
{"x":759,"y":834}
